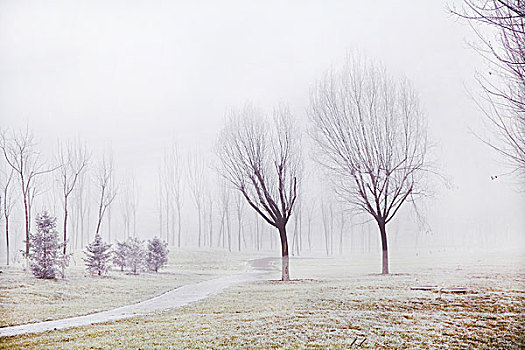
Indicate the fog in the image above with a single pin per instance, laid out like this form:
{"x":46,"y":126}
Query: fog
{"x":134,"y":77}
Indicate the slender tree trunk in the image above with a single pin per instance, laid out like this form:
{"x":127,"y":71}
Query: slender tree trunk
{"x":167,"y":219}
{"x":384,"y":245}
{"x":65,"y":224}
{"x":285,"y":272}
{"x":228,"y":226}
{"x":199,"y":216}
{"x":7,"y":238}
{"x":179,"y":226}
{"x":27,"y":226}
{"x":211,"y":225}
{"x":309,"y":234}
{"x":257,"y":241}
{"x":239,"y":230}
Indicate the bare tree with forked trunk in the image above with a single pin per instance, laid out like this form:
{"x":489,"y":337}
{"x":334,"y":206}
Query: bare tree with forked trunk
{"x":371,"y":135}
{"x":73,"y":160}
{"x":260,"y":159}
{"x":105,"y":183}
{"x":20,"y":153}
{"x":500,"y":26}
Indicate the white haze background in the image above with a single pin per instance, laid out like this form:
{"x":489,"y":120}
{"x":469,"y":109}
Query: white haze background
{"x":135,"y":76}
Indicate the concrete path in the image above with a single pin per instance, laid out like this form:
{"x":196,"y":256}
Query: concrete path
{"x":175,"y":298}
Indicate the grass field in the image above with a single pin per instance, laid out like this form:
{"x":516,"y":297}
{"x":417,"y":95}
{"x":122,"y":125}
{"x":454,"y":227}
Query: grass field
{"x":335,"y":304}
{"x":25,"y":299}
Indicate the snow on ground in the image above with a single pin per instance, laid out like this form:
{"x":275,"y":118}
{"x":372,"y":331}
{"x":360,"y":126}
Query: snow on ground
{"x":338,"y":304}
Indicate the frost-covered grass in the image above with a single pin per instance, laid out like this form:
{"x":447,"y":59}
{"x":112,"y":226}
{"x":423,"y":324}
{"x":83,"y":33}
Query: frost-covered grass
{"x":25,"y":299}
{"x":335,"y":304}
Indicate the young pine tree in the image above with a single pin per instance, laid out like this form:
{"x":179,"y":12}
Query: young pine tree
{"x":136,"y":255}
{"x":120,"y":255}
{"x":45,"y":256}
{"x":98,"y":256}
{"x":157,"y":256}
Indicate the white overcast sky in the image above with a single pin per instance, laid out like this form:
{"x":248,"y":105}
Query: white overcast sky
{"x":137,"y":74}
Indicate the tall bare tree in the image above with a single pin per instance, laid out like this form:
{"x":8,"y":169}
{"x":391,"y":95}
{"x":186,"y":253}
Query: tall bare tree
{"x":73,"y":160}
{"x":173,"y":175}
{"x":503,"y":84}
{"x":225,"y":231}
{"x":81,"y":199}
{"x":261,"y":160}
{"x":238,"y":202}
{"x":128,"y":206}
{"x":327,"y":212}
{"x":105,"y":183}
{"x":197,"y":189}
{"x":371,"y":134}
{"x":19,"y":149}
{"x":8,"y":201}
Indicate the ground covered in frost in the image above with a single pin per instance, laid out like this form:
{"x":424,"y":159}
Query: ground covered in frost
{"x":336,"y":304}
{"x":25,"y":299}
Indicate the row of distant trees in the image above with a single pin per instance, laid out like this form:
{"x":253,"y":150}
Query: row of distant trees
{"x":24,"y":168}
{"x":369,"y":134}
{"x":87,"y":194}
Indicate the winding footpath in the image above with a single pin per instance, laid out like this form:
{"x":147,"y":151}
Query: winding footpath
{"x":175,"y":298}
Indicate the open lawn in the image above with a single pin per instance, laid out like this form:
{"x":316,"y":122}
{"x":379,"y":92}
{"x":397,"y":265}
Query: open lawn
{"x":336,"y":304}
{"x":25,"y":299}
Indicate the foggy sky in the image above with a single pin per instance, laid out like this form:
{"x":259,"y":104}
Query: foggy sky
{"x":136,"y":75}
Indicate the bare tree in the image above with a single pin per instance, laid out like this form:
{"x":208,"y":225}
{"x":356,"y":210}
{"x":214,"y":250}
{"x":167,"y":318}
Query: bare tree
{"x":211,"y":202}
{"x":503,"y":85}
{"x":197,"y":188}
{"x":261,"y":159}
{"x":225,"y":231}
{"x":106,"y":187}
{"x":73,"y":159}
{"x":238,"y":202}
{"x":19,"y":149}
{"x":8,"y":201}
{"x":309,"y":209}
{"x":173,"y":173}
{"x":82,"y":208}
{"x":372,"y":137}
{"x":128,"y":206}
{"x":327,"y":212}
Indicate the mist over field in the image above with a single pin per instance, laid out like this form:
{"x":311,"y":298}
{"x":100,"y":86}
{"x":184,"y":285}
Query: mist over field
{"x":354,"y":138}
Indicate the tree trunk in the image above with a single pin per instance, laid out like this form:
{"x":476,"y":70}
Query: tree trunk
{"x":384,"y":245}
{"x":7,"y":238}
{"x":179,"y":227}
{"x":285,"y":272}
{"x":27,"y":226}
{"x":239,"y":230}
{"x":199,"y":216}
{"x":65,"y":223}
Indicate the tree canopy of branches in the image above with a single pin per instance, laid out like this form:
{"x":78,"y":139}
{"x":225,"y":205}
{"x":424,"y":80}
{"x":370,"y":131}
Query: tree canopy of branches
{"x":372,"y":140}
{"x":73,"y":159}
{"x":503,"y":85}
{"x":261,"y":159}
{"x":106,"y":187}
{"x":20,"y":153}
